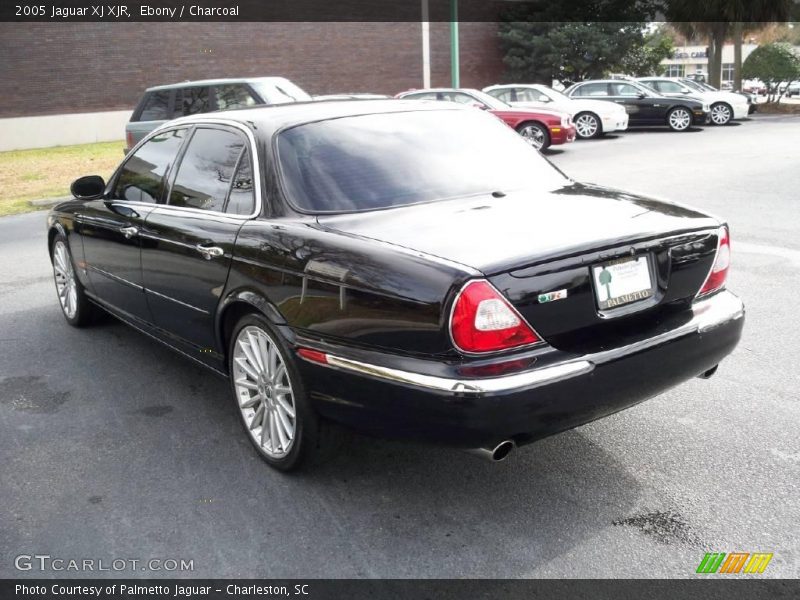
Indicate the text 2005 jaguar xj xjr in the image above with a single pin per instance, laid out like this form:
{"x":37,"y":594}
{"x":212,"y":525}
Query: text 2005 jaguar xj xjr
{"x":410,"y":270}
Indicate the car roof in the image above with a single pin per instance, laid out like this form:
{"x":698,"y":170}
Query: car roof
{"x":268,"y":119}
{"x":440,"y":89}
{"x":206,"y":82}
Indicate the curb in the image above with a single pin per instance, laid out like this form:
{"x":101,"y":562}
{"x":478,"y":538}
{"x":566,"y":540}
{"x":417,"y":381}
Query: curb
{"x":45,"y":202}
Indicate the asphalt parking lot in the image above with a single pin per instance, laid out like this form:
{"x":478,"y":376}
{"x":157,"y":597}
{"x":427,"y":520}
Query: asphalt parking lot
{"x":113,"y":447}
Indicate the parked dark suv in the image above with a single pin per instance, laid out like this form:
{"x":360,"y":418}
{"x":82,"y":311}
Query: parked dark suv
{"x":165,"y":102}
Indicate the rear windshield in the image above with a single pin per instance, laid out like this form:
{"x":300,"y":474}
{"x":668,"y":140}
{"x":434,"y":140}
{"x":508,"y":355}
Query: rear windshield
{"x":380,"y":161}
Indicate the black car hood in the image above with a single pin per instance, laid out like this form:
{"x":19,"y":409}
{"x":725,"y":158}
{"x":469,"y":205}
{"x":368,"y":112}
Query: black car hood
{"x":497,"y":234}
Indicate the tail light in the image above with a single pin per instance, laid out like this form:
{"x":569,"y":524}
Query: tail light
{"x":719,"y":270}
{"x":483,"y":321}
{"x":129,"y":139}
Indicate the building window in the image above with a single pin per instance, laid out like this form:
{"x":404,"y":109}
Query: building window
{"x":674,"y":71}
{"x":727,"y":72}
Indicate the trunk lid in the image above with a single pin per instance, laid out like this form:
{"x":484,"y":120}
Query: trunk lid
{"x":531,"y":245}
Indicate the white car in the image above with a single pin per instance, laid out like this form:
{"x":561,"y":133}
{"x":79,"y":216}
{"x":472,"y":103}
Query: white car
{"x":592,"y":118}
{"x":725,"y":106}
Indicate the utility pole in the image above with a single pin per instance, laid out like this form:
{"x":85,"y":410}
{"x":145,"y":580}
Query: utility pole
{"x":426,"y":46}
{"x":454,"y":65}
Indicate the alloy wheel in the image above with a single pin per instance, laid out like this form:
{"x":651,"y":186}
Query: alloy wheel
{"x":587,"y":126}
{"x":65,"y":280}
{"x":680,"y":119}
{"x":264,"y":391}
{"x":534,"y":135}
{"x":720,"y":114}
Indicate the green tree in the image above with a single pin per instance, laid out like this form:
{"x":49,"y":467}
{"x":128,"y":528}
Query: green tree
{"x":772,"y":64}
{"x":646,"y":59}
{"x":541,"y":42}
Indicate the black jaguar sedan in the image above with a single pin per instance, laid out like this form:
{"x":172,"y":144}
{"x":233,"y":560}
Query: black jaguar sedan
{"x":406,"y":269}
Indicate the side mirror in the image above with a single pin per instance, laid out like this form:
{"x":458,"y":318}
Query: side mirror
{"x":641,"y":95}
{"x":544,"y":98}
{"x":479,"y":105}
{"x":88,"y":187}
{"x":685,"y":91}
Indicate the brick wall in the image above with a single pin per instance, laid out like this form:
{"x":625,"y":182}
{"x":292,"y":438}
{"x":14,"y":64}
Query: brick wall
{"x":54,"y":68}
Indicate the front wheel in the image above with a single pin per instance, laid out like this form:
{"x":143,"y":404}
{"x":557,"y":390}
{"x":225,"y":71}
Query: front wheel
{"x":588,"y":126}
{"x":721,"y":114}
{"x":535,"y":134}
{"x":270,"y":395}
{"x":679,"y":119}
{"x":75,"y":305}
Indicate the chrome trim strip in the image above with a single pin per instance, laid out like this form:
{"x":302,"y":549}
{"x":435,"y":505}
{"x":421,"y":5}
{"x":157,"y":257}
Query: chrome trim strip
{"x":721,"y":308}
{"x":115,"y":277}
{"x":200,"y":310}
{"x":473,"y":387}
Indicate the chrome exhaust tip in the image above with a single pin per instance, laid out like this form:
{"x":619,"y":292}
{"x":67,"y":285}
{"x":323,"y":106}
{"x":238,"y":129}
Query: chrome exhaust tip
{"x":708,"y":374}
{"x":496,"y":453}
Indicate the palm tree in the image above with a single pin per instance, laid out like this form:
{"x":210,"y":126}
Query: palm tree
{"x":693,"y":19}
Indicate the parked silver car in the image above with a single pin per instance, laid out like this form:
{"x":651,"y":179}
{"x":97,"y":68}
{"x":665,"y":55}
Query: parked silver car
{"x":166,"y":102}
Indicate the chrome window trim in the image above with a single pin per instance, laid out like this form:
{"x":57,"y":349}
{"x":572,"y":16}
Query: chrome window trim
{"x":189,"y":123}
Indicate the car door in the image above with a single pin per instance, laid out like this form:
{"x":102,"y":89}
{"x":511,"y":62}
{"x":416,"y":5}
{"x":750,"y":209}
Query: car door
{"x":110,"y":227}
{"x":641,"y":111}
{"x":189,"y":240}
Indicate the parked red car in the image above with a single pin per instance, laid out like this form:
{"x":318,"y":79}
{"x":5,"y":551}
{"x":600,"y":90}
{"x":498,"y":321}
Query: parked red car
{"x":540,"y":127}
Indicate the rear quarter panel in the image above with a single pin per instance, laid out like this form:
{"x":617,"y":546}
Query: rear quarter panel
{"x":346,"y":289}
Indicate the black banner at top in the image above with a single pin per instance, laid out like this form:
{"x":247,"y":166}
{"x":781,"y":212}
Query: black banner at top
{"x":116,"y":11}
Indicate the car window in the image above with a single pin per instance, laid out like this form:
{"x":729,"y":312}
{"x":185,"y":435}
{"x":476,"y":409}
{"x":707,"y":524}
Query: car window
{"x":425,"y":96}
{"x":529,"y":95}
{"x":670,"y":87}
{"x":280,"y":91}
{"x":190,"y":101}
{"x":506,"y":95}
{"x":459,"y":98}
{"x":206,"y":169}
{"x":592,"y":89}
{"x":371,"y":162}
{"x":156,"y":106}
{"x":624,"y":89}
{"x":141,"y":177}
{"x":233,"y":96}
{"x":242,"y":195}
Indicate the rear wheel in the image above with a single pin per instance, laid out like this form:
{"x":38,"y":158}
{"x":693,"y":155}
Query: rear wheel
{"x":679,"y":119}
{"x":75,"y":305}
{"x":721,"y":113}
{"x":588,"y":125}
{"x":535,"y":134}
{"x":269,"y":394}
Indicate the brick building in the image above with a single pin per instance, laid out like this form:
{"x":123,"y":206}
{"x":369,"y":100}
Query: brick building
{"x":77,"y":82}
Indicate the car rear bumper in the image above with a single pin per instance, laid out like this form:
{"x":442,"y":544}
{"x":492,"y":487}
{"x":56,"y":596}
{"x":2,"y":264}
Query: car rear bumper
{"x":387,"y":396}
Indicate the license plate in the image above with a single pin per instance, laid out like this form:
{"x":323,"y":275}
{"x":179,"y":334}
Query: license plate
{"x":622,"y":281}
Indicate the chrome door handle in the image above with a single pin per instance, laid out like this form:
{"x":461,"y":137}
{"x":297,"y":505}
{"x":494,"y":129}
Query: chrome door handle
{"x":209,"y":252}
{"x":129,"y":232}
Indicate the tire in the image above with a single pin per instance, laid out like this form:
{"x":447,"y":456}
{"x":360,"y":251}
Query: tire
{"x":283,"y":440}
{"x":679,"y":118}
{"x":721,"y":113}
{"x":588,"y":125}
{"x":535,"y":134}
{"x":76,"y":307}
